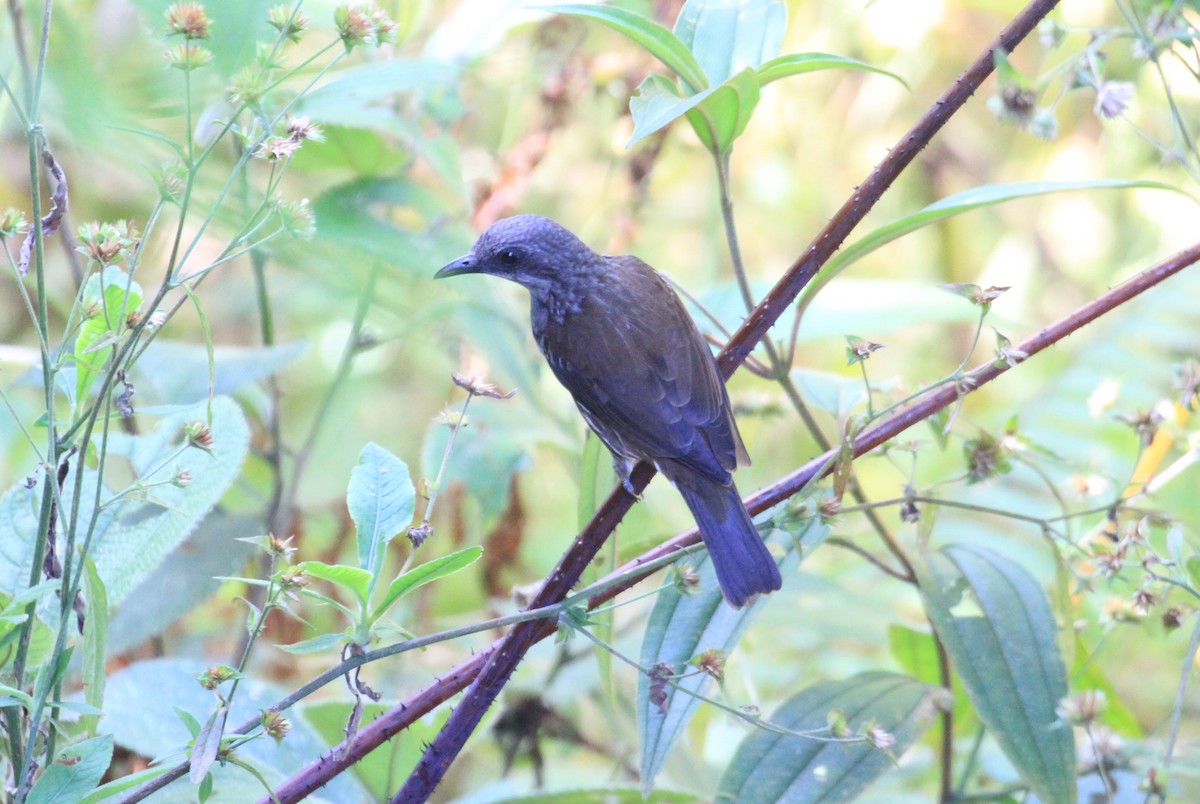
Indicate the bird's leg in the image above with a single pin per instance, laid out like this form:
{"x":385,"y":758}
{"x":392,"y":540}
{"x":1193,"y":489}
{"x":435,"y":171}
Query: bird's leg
{"x":623,"y":466}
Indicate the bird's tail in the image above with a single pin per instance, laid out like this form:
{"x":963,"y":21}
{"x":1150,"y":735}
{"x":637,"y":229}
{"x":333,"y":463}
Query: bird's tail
{"x":743,"y":563}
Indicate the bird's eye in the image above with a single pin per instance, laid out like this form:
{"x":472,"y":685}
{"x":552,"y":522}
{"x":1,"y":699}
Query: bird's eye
{"x":508,"y":257}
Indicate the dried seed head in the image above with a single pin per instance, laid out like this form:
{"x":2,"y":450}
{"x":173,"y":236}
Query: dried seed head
{"x":188,"y":57}
{"x":275,"y":725}
{"x":1083,"y":708}
{"x":199,"y":435}
{"x":288,"y":20}
{"x":712,"y":663}
{"x":13,"y":223}
{"x":189,"y":20}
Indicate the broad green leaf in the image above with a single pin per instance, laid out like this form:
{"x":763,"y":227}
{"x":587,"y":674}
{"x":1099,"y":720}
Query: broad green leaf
{"x":176,"y":373}
{"x":186,"y":577}
{"x":769,"y":766}
{"x":658,"y":103}
{"x":357,"y":94}
{"x":657,"y":40}
{"x":155,"y":730}
{"x":353,"y":579}
{"x":369,"y":215}
{"x":974,"y":198}
{"x":722,"y":116}
{"x":95,"y":641}
{"x":426,"y":573}
{"x":728,"y":36}
{"x":133,"y":535}
{"x":74,"y":772}
{"x":996,"y":624}
{"x":381,"y":499}
{"x":682,"y":625}
{"x":109,"y":296}
{"x":799,"y":63}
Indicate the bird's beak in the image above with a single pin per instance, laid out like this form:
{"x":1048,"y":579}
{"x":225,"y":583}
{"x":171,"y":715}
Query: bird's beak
{"x":463,"y":265}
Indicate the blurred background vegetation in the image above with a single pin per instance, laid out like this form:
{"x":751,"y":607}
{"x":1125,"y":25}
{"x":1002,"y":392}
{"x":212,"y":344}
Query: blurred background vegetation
{"x":479,"y":110}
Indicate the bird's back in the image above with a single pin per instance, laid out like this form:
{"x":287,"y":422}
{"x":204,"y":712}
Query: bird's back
{"x":640,"y":370}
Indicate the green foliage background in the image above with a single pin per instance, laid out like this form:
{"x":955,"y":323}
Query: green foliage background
{"x":483,"y":109}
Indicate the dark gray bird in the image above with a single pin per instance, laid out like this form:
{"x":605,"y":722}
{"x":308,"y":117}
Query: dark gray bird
{"x":616,"y":335}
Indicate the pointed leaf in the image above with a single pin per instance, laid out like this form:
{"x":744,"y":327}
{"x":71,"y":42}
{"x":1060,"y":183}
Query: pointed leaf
{"x":381,"y":499}
{"x":727,"y":36}
{"x":425,"y":573}
{"x":769,"y":766}
{"x":132,"y":536}
{"x":314,"y":645}
{"x":353,"y":579}
{"x":681,"y":626}
{"x":974,"y":198}
{"x":998,"y":628}
{"x":799,"y":63}
{"x":657,"y":40}
{"x":95,"y":642}
{"x":658,"y":103}
{"x":722,"y":116}
{"x":74,"y":773}
{"x":207,"y":745}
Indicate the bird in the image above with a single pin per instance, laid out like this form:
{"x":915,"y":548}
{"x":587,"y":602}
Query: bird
{"x":617,"y":336}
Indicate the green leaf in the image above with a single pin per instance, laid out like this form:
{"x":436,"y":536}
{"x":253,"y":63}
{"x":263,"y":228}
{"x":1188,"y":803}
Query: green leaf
{"x":118,"y":786}
{"x":719,"y":114}
{"x":188,"y":720}
{"x":155,"y":731}
{"x":967,"y":200}
{"x":682,"y":625}
{"x":207,"y":744}
{"x":11,"y":696}
{"x":799,"y":63}
{"x":997,"y":626}
{"x":722,"y":116}
{"x":176,"y":373}
{"x":369,"y":215}
{"x":184,"y":579}
{"x":74,"y":772}
{"x":133,"y":536}
{"x":381,"y":499}
{"x":314,"y":645}
{"x":657,"y":40}
{"x":426,"y":573}
{"x":658,"y":103}
{"x":95,"y":642}
{"x":354,"y":579}
{"x":769,"y":766}
{"x":728,"y":36}
{"x":109,"y":296}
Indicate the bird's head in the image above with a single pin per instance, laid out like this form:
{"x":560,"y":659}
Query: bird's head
{"x":528,"y":249}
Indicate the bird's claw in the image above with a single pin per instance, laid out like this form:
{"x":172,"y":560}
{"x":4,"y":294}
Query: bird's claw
{"x":627,"y":482}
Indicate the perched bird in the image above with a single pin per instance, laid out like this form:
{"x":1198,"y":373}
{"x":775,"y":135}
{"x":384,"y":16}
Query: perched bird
{"x":616,"y":335}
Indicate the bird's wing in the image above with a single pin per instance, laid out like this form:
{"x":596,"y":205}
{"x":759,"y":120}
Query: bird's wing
{"x":643,"y":375}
